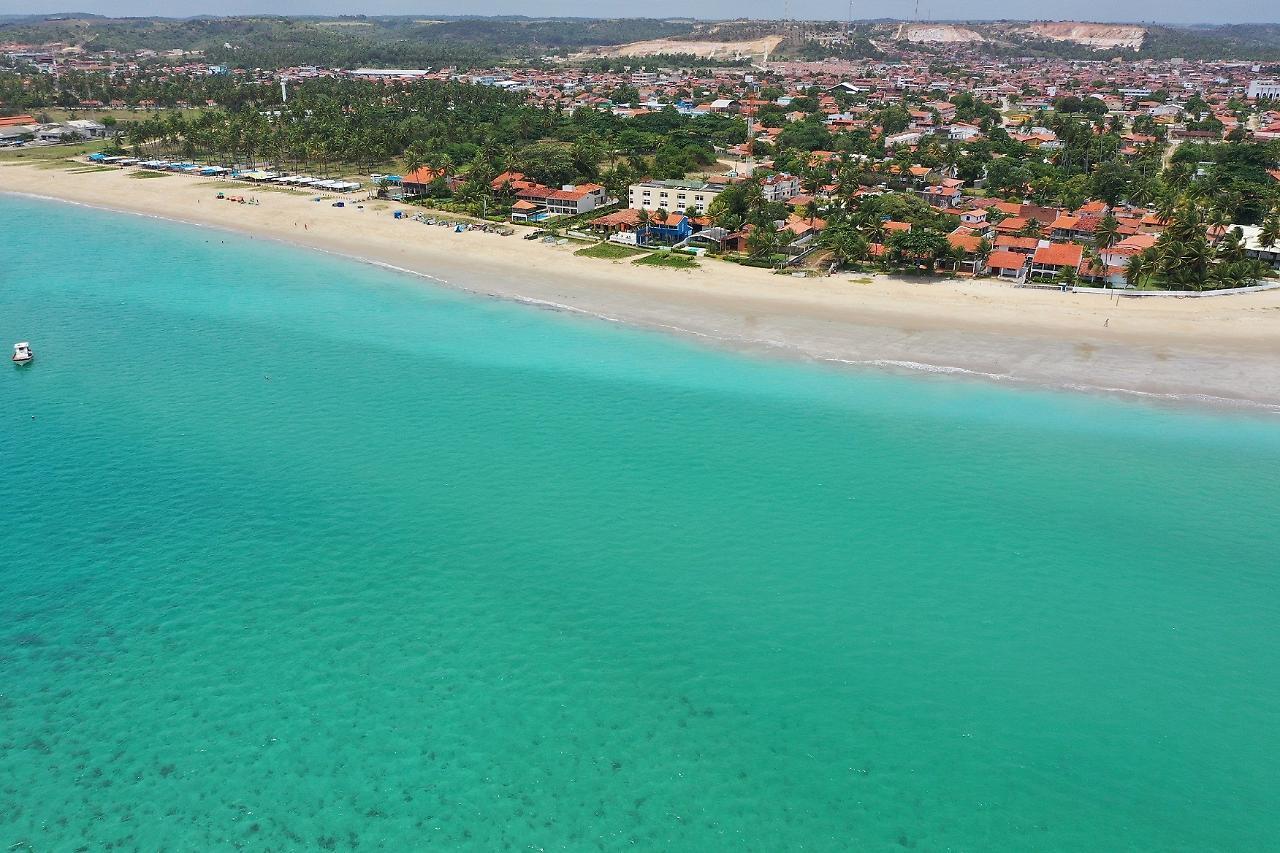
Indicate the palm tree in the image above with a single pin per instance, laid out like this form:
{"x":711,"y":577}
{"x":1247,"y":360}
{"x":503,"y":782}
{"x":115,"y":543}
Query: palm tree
{"x":1270,"y":232}
{"x":414,"y":159}
{"x":845,"y":243}
{"x":763,"y":241}
{"x":1231,"y":249}
{"x":984,"y":249}
{"x":1107,"y":232}
{"x":1167,"y":206}
{"x":1138,"y":269}
{"x":642,"y":224}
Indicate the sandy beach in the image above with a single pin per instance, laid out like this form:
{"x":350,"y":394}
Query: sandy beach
{"x":1221,"y":350}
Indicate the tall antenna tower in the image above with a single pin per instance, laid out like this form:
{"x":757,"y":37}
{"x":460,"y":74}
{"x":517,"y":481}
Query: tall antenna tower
{"x":850,"y":29}
{"x":284,"y":91}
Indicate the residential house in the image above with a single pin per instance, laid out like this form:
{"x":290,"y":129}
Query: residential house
{"x":1269,"y":255}
{"x":1005,"y":264}
{"x":780,"y":187}
{"x":673,"y":229}
{"x":1068,"y":226}
{"x":942,"y":196}
{"x":800,"y":231}
{"x":620,"y":222}
{"x":907,"y":137}
{"x":417,"y":182}
{"x":1053,"y":259}
{"x":1014,"y":243}
{"x":971,"y":245}
{"x":572,"y":200}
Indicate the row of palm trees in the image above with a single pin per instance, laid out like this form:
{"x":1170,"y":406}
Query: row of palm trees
{"x":1184,"y":258}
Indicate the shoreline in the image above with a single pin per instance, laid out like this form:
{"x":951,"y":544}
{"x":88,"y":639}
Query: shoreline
{"x":1217,"y":352}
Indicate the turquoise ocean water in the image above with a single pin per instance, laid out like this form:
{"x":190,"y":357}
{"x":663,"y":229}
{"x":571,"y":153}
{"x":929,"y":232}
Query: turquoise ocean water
{"x":304,"y":554}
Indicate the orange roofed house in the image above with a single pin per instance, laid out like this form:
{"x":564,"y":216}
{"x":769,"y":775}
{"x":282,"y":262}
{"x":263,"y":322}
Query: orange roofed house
{"x":573,"y":200}
{"x":1006,"y":264}
{"x":1051,"y":260}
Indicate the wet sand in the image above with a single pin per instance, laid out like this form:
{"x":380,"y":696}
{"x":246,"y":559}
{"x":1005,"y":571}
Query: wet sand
{"x":1223,"y":350}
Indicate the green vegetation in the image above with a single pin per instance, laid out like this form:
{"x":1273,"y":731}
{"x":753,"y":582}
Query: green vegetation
{"x":609,"y":252}
{"x":346,"y":41}
{"x":143,"y":175}
{"x":672,"y":260}
{"x":467,"y":134}
{"x":1183,"y":259}
{"x":49,"y":153}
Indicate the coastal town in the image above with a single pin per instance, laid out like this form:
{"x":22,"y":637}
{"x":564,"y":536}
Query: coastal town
{"x":1126,"y":174}
{"x":501,"y":432}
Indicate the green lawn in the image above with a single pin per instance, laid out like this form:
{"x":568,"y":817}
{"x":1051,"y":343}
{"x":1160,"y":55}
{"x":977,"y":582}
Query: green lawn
{"x":50,"y":153}
{"x":142,"y":174}
{"x":609,"y":252}
{"x":672,"y":260}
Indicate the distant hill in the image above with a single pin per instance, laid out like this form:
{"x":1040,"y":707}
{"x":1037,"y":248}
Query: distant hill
{"x":350,"y":40}
{"x":275,"y":41}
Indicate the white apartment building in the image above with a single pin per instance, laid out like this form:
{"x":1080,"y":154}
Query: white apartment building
{"x":780,"y":187}
{"x":1264,"y":89}
{"x":672,"y":196}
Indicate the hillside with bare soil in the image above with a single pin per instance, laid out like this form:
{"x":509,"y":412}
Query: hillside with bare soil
{"x":1097,"y":36}
{"x":705,"y":49}
{"x":935,"y":33}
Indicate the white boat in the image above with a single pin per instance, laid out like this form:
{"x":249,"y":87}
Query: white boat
{"x":22,"y":353}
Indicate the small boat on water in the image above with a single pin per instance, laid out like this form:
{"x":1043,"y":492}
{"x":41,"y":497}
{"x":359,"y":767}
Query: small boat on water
{"x":22,"y":353}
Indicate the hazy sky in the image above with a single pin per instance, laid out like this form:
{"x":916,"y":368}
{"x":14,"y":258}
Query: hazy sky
{"x":1175,"y":11}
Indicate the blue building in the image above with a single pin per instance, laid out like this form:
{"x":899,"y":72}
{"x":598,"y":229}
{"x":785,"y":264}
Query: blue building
{"x":676,"y":228}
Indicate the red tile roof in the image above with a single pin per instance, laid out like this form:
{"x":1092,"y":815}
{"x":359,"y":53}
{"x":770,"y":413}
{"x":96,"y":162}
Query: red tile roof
{"x":425,"y":175}
{"x":1059,"y":255}
{"x":1006,"y":260}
